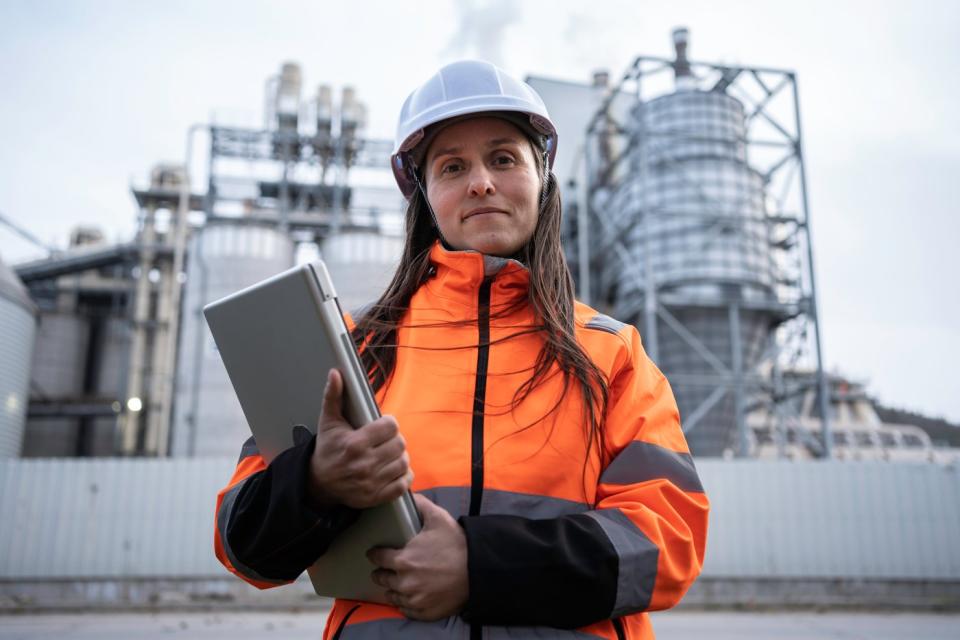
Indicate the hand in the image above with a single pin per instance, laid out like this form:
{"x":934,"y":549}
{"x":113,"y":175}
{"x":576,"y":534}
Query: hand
{"x":427,"y":579}
{"x":360,"y":468}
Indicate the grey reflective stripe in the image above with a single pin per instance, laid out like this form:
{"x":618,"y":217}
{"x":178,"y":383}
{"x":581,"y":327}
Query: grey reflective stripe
{"x":387,"y":628}
{"x":532,"y":633}
{"x":456,"y":500}
{"x":249,"y":449}
{"x":605,"y":323}
{"x":448,"y":628}
{"x":643,"y":461}
{"x":636,"y":557}
{"x":223,"y":521}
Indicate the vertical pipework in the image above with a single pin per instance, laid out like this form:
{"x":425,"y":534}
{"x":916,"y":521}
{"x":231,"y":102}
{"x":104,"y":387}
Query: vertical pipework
{"x":650,"y":305}
{"x":601,"y":81}
{"x":683,"y":74}
{"x":739,"y":399}
{"x":287,"y":103}
{"x":681,"y":66}
{"x":812,"y":310}
{"x":198,"y":267}
{"x":138,"y":346}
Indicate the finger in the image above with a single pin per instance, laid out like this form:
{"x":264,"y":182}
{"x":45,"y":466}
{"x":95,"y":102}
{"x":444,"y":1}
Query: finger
{"x":383,"y":557}
{"x":384,"y":578}
{"x":426,"y":507}
{"x":390,"y":449}
{"x":391,"y":471}
{"x":412,"y":614}
{"x":332,"y":399}
{"x":380,"y":430}
{"x":400,"y":601}
{"x":395,"y":489}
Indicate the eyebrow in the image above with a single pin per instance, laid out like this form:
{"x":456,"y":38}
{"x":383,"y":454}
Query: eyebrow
{"x":449,"y":151}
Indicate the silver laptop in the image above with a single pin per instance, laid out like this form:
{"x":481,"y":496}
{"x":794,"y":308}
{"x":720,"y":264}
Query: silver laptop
{"x":278,"y":340}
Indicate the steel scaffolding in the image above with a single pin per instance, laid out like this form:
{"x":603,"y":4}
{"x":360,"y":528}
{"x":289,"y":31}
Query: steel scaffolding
{"x":717,"y":272}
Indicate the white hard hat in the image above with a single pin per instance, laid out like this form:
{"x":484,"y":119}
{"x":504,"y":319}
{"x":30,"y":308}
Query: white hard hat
{"x":465,"y":88}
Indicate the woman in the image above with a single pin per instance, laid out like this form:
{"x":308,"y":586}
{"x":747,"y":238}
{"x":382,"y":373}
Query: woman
{"x":556,"y":487}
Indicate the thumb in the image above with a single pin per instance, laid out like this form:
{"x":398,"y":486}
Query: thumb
{"x":332,"y":400}
{"x":430,"y":512}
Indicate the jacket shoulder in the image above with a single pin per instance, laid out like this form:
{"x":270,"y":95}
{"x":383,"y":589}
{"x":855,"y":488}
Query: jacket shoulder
{"x":603,"y":337}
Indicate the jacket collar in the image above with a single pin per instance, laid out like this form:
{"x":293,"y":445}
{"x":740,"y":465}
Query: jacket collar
{"x":462,"y":273}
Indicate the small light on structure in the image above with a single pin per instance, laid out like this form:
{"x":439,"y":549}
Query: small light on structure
{"x":116,"y":406}
{"x":134,"y":404}
{"x":13,"y":403}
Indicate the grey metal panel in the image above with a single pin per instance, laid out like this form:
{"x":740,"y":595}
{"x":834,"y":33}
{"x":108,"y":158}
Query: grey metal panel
{"x":866,"y":520}
{"x":109,"y":518}
{"x":58,"y":359}
{"x":361,"y":265}
{"x":114,"y":357}
{"x":572,"y":106}
{"x":127,"y":518}
{"x":13,"y":291}
{"x":17,"y":330}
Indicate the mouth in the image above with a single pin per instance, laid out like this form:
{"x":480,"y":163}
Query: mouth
{"x":482,"y":211}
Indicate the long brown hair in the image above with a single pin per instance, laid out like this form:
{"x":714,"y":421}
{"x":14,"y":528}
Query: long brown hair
{"x":550,"y":295}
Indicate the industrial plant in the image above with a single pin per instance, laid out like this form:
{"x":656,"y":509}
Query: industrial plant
{"x":686,"y":214}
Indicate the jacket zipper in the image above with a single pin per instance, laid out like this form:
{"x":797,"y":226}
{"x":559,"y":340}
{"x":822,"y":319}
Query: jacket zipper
{"x":343,"y":623}
{"x":479,"y":400}
{"x":618,"y":627}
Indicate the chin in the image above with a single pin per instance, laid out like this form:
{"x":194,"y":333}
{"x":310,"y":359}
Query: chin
{"x":493,"y":245}
{"x":502,"y":250}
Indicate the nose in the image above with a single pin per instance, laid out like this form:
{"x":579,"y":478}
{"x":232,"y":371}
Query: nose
{"x":481,"y":182}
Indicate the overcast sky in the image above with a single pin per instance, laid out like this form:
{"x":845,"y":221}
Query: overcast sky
{"x":93,"y":94}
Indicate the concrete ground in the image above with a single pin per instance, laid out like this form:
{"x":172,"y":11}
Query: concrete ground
{"x":674,"y":625}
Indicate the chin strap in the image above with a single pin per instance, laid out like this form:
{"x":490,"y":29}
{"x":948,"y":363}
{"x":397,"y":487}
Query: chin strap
{"x":433,"y":216}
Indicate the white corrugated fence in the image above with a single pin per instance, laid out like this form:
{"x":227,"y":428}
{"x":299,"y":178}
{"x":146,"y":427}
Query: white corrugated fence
{"x":129,"y":518}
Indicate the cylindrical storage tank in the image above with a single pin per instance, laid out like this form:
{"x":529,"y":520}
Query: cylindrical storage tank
{"x":361,"y":264}
{"x":59,"y":359}
{"x":689,"y":124}
{"x":693,"y":201}
{"x":223,"y":258}
{"x":707,"y":228}
{"x":288,"y":96}
{"x":17,"y":333}
{"x":692,"y":213}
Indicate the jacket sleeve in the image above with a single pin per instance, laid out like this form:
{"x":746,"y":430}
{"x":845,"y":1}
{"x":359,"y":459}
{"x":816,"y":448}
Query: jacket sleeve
{"x":640,"y":547}
{"x":267,"y":531}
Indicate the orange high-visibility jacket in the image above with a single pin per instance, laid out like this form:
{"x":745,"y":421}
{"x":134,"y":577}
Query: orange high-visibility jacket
{"x":569,"y":550}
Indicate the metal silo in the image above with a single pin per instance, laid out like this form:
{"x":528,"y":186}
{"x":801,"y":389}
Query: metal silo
{"x":224,"y":257}
{"x":700,"y":235}
{"x":361,"y":264}
{"x":17,"y":332}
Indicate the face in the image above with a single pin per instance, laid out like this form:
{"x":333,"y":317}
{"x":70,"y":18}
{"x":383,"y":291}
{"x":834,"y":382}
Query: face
{"x":484,"y":185}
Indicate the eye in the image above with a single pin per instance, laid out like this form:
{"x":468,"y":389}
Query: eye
{"x":451,"y":168}
{"x":503,"y":159}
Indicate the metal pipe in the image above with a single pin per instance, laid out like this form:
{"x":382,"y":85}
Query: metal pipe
{"x":650,"y":339}
{"x":583,"y":226}
{"x":814,"y":314}
{"x":170,"y":353}
{"x":132,"y":409}
{"x":201,"y":269}
{"x":736,"y":354}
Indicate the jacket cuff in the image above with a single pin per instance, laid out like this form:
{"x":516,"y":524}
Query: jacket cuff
{"x":277,"y":530}
{"x":559,"y":572}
